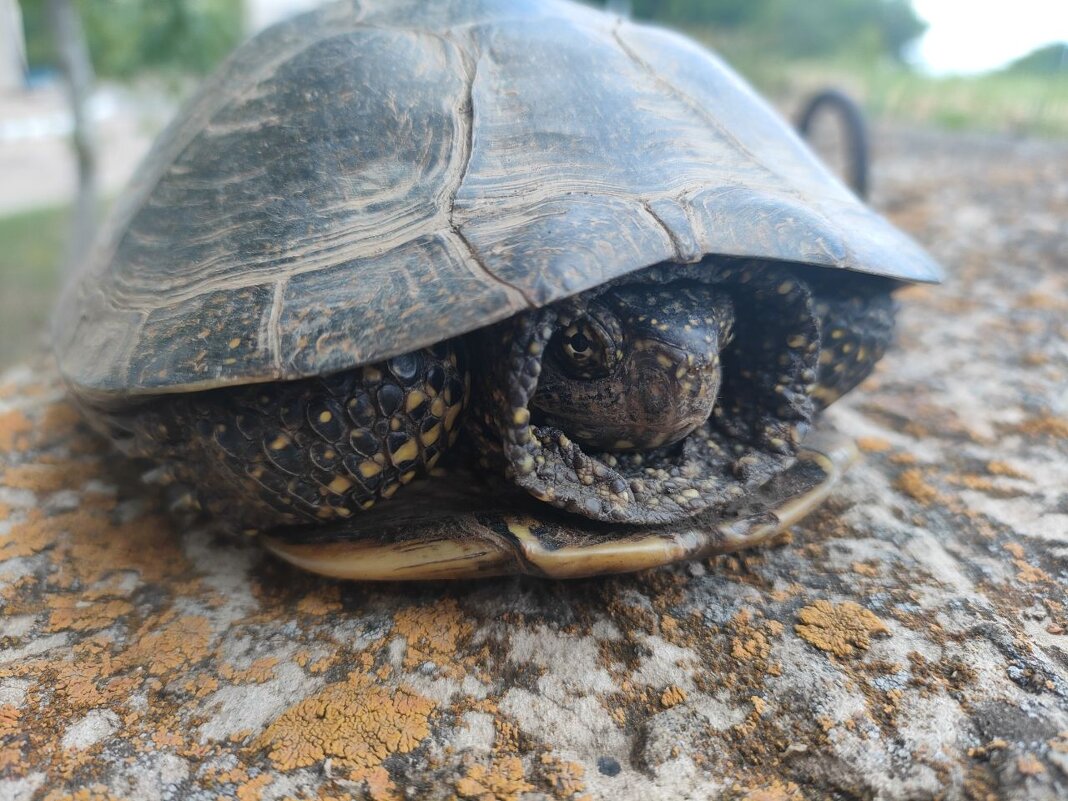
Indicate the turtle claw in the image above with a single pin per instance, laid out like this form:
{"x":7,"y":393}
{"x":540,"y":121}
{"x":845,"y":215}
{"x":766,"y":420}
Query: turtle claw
{"x":160,"y":476}
{"x":182,"y":501}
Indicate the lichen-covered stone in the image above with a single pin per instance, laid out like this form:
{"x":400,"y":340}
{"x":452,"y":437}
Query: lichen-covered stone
{"x":909,"y":641}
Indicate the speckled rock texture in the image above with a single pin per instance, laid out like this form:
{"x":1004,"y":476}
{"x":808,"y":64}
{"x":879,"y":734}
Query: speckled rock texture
{"x":909,"y":641}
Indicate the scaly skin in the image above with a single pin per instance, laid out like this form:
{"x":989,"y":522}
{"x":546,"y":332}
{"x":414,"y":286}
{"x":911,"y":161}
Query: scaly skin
{"x":301,"y":452}
{"x":644,"y":401}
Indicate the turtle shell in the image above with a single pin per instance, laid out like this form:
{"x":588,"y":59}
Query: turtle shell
{"x":373,"y":177}
{"x":458,"y":543}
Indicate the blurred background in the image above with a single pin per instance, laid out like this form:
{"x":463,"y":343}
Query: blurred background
{"x":85,"y":85}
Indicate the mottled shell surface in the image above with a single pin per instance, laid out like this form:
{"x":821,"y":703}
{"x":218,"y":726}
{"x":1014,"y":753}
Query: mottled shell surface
{"x":374,"y":177}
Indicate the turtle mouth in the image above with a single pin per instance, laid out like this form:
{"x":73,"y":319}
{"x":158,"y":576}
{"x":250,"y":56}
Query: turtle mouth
{"x":762,"y":410}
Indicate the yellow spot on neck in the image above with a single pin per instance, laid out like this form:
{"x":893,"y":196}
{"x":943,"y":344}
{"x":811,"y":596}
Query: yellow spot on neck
{"x":369,"y":469}
{"x":430,"y":436}
{"x":339,"y":485}
{"x":406,"y":452}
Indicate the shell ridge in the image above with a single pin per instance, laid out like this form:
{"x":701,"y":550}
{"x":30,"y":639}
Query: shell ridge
{"x":479,"y":262}
{"x":467,"y":138}
{"x":688,"y":101}
{"x":274,"y":325}
{"x":675,"y":244}
{"x":435,"y":171}
{"x":183,"y":130}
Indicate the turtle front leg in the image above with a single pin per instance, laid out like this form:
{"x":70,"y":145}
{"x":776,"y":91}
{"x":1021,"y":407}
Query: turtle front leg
{"x":313,"y":450}
{"x":857,"y":326}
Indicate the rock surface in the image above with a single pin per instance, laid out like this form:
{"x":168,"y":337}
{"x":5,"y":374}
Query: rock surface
{"x":908,"y":641}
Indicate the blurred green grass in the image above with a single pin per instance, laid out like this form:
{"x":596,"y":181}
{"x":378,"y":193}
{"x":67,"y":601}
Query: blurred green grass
{"x":1007,"y":102}
{"x":31,"y":250}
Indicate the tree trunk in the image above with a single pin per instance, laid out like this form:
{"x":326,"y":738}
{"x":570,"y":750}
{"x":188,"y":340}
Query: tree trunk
{"x":73,"y":53}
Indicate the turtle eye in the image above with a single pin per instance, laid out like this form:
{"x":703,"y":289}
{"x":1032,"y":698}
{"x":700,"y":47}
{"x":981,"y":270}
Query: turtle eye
{"x":584,"y":350}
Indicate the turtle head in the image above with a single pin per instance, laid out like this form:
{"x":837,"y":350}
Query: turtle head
{"x":638,"y":369}
{"x":654,"y":398}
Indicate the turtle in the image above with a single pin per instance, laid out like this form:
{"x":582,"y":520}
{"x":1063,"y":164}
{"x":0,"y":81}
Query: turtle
{"x":474,"y":287}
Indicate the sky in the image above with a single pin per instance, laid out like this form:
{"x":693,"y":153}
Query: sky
{"x":975,"y":35}
{"x":963,"y":35}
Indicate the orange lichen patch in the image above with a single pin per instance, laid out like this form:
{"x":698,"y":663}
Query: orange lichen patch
{"x":776,"y":791}
{"x":1035,"y":358}
{"x":565,"y":779}
{"x":9,"y":720}
{"x":167,"y":738}
{"x":1046,"y":425}
{"x":433,"y":634}
{"x":76,"y":683}
{"x":974,"y":482}
{"x":1005,"y":469}
{"x":96,"y":548}
{"x":321,"y":601}
{"x":14,"y":431}
{"x":161,"y":647}
{"x":5,"y":512}
{"x":983,"y":751}
{"x":46,"y":478}
{"x":913,"y":484}
{"x":672,"y":696}
{"x":70,"y":613}
{"x":31,"y":536}
{"x":841,"y":629}
{"x":234,"y":775}
{"x":98,"y":792}
{"x":1049,"y":299}
{"x":10,"y":760}
{"x":253,"y":789}
{"x":1030,"y":574}
{"x":903,"y":458}
{"x":380,"y":786}
{"x":750,"y":641}
{"x":501,"y":781}
{"x":873,"y":444}
{"x":506,"y":735}
{"x":1027,"y":572}
{"x":1015,"y":549}
{"x":355,"y":723}
{"x":257,"y":673}
{"x":322,"y":665}
{"x":1028,"y":765}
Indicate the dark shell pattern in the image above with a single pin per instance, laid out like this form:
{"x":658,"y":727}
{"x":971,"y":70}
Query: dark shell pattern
{"x":375,"y":177}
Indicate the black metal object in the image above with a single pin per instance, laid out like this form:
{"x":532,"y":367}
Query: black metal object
{"x":854,"y":130}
